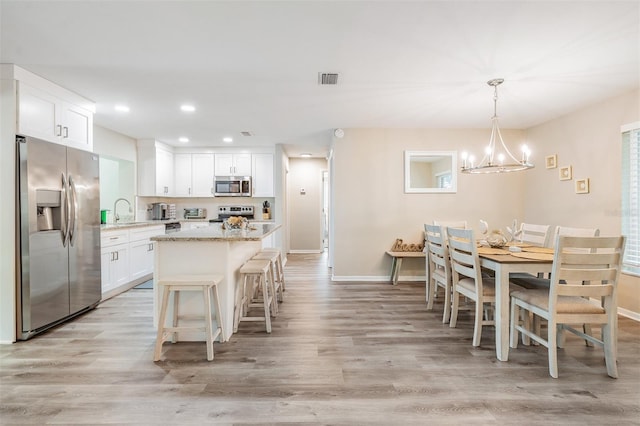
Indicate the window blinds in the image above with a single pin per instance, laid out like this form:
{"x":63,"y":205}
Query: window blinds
{"x":631,"y":199}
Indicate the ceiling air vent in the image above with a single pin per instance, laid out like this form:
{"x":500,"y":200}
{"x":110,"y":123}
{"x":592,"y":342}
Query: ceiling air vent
{"x":245,"y":133}
{"x":325,"y":78}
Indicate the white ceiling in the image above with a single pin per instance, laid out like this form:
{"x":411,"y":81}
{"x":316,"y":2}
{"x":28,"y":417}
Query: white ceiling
{"x":253,"y":66}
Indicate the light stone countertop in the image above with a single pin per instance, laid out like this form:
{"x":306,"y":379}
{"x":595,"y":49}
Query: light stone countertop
{"x":214,"y":232}
{"x":126,"y":225}
{"x":143,"y":223}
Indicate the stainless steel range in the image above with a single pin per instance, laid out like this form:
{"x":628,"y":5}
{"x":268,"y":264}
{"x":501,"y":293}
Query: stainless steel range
{"x":224,"y":212}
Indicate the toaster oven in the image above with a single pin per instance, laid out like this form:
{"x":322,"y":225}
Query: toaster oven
{"x":195,"y":213}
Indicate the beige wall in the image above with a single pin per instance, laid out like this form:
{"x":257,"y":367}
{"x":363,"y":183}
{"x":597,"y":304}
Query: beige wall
{"x":305,"y":219}
{"x":7,"y":213}
{"x":371,"y":209}
{"x":114,"y":144}
{"x":588,"y":140}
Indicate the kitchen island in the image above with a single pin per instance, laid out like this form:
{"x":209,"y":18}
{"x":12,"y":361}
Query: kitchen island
{"x":209,"y":250}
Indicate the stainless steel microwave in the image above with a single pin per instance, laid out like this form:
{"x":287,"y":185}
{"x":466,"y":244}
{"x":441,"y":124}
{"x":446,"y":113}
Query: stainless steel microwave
{"x":232,"y":186}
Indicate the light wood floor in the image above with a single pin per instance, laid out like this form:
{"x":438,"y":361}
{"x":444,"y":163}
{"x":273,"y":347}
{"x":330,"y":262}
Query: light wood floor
{"x":340,"y":353}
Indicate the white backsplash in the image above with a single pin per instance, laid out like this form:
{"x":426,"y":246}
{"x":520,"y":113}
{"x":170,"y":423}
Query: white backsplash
{"x":143,"y":205}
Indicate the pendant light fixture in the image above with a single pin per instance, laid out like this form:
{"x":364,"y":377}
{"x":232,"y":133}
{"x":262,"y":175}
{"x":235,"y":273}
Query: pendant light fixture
{"x":496,"y":159}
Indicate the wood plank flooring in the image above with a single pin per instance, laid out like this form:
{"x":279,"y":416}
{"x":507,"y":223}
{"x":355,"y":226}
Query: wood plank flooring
{"x":339,"y":353}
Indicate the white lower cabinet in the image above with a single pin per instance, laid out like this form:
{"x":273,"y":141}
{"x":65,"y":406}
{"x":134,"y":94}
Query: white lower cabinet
{"x":127,"y":255}
{"x":141,"y":258}
{"x":142,"y":248}
{"x":114,"y":253}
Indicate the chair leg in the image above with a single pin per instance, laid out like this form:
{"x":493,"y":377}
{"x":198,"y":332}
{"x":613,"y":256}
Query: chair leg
{"x":477,"y":326}
{"x":266,"y":302}
{"x":587,"y":330}
{"x":206,"y":294}
{"x":216,"y":305}
{"x":513,"y":333}
{"x":431,"y":290}
{"x":446,"y":316}
{"x":454,"y":309}
{"x":176,"y":303}
{"x":163,"y":316}
{"x":610,"y":350}
{"x":552,"y":335}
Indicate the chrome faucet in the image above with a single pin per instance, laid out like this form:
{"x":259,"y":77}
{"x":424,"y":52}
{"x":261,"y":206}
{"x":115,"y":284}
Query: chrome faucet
{"x":115,"y":206}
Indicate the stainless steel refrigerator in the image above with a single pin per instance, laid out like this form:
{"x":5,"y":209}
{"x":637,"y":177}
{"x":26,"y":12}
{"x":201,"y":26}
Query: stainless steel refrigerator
{"x":58,"y":201}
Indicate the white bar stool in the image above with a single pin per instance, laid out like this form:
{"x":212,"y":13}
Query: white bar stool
{"x":208,"y":285}
{"x":276,"y":278}
{"x":254,"y":271}
{"x":279,"y":269}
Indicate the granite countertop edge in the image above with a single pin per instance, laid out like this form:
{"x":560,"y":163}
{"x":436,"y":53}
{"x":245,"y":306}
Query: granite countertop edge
{"x":217,"y":234}
{"x":146,"y":223}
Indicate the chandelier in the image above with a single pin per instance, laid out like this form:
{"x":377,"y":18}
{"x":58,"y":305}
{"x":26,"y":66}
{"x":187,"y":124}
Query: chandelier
{"x":496,"y":159}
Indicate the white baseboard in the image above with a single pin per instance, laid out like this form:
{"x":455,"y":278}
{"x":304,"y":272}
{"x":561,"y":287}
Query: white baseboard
{"x":374,"y":278}
{"x":305,"y":251}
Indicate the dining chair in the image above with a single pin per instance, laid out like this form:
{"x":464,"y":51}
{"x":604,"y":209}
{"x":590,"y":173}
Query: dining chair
{"x":536,"y":235}
{"x":462,"y":224}
{"x":530,"y":281}
{"x":541,"y":282}
{"x":590,"y":267}
{"x":533,"y":234}
{"x":467,"y":279}
{"x":439,"y":269}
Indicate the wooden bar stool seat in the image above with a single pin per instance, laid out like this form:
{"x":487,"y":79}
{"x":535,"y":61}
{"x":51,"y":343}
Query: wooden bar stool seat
{"x":254,"y":275}
{"x":208,"y":285}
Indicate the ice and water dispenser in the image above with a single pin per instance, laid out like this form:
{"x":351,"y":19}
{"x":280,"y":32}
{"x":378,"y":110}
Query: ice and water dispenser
{"x":49,"y":214}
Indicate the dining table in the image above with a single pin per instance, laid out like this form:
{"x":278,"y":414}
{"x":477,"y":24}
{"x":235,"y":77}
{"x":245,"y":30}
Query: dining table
{"x":503,"y":262}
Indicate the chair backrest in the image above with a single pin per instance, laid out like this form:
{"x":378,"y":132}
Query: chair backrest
{"x":574,"y":232}
{"x":595,"y":261}
{"x":462,"y":224}
{"x":437,"y":249}
{"x":464,"y":256}
{"x":537,"y":235}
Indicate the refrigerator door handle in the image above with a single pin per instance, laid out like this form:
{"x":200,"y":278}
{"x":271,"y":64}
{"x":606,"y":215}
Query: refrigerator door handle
{"x":64,"y":206}
{"x":73,"y":211}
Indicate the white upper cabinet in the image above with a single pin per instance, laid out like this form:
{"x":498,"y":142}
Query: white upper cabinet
{"x":233,"y":164}
{"x":202,"y":175}
{"x":182,"y":165}
{"x":155,"y":169}
{"x":193,"y":175}
{"x":262,"y":175}
{"x":48,"y":117}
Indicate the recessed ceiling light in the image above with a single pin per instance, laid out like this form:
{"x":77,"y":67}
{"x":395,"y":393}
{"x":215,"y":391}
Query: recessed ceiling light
{"x":183,"y":139}
{"x":187,"y":108}
{"x":305,"y":155}
{"x":227,"y":139}
{"x":121,"y":108}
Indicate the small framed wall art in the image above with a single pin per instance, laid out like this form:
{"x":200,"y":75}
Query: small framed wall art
{"x":551,"y":161}
{"x":565,"y":173}
{"x":582,"y":186}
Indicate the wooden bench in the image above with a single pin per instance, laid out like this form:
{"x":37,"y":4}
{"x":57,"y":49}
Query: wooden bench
{"x":396,"y":263}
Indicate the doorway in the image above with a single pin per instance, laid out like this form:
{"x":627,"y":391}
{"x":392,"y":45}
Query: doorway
{"x":325,"y":210}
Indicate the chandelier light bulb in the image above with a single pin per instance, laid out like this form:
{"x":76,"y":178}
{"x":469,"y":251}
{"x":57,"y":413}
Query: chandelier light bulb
{"x":501,"y":158}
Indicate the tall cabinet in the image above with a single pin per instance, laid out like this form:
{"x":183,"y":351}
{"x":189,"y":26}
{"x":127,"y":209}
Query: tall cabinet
{"x":155,"y":169}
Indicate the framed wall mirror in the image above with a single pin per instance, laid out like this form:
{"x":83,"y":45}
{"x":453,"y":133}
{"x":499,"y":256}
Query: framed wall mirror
{"x":430,"y":171}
